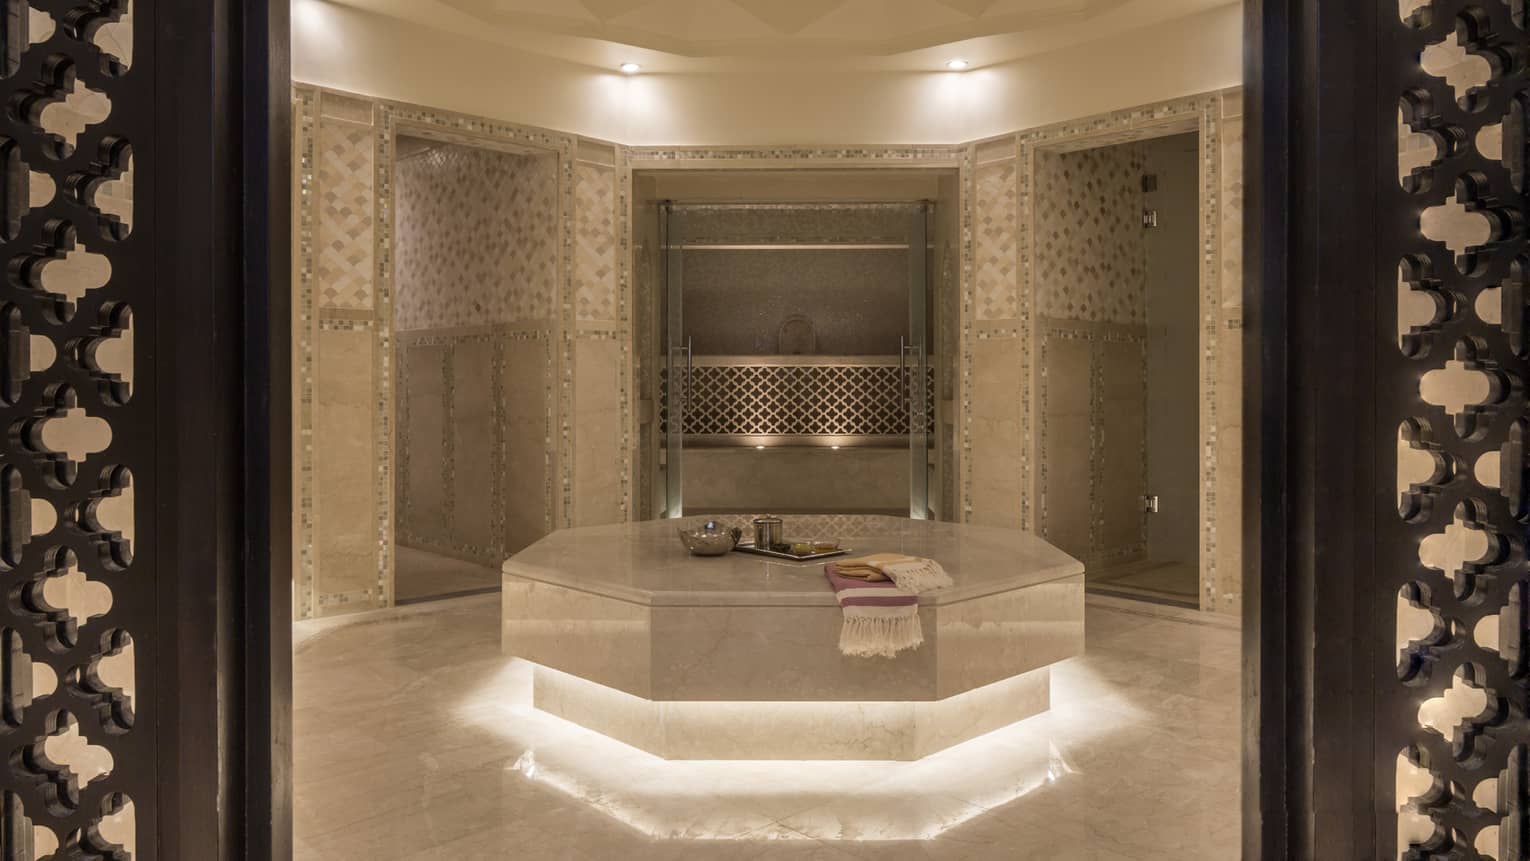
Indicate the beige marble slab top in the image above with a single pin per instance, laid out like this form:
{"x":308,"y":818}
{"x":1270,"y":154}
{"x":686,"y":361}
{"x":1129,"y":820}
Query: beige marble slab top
{"x":645,"y":563}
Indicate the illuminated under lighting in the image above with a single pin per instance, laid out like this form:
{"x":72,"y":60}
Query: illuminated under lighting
{"x":630,"y":68}
{"x":751,"y":801}
{"x":958,"y":65}
{"x":835,"y":447}
{"x":760,"y":447}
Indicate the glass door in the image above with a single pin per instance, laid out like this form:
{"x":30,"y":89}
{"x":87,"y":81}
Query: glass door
{"x":915,"y":361}
{"x":677,"y":362}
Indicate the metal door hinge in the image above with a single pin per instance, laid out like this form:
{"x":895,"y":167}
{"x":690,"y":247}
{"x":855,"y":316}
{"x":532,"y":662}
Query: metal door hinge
{"x":1149,"y":218}
{"x":1150,"y":504}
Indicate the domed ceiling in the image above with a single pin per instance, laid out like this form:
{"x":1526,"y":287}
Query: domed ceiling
{"x":699,"y":28}
{"x":695,"y":35}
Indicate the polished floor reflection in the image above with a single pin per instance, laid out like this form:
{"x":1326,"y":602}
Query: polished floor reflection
{"x":419,"y":575}
{"x":413,"y":742}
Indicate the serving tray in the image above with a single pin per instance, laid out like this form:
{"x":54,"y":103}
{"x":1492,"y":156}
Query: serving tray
{"x":750,"y":548}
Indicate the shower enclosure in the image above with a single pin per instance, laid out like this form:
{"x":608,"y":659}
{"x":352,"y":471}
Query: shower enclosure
{"x":798,"y":370}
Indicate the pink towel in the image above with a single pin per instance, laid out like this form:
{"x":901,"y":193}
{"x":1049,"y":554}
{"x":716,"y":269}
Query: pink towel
{"x":881,"y":619}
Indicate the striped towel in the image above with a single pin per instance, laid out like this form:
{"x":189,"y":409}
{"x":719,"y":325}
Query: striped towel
{"x":881,"y":619}
{"x":912,"y":573}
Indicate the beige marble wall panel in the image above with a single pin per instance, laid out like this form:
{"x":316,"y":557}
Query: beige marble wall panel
{"x":1121,"y":475}
{"x":1067,"y":398}
{"x":475,"y":446}
{"x":423,"y":492}
{"x":777,"y":653}
{"x":598,"y":432}
{"x":997,"y":434}
{"x":860,"y":480}
{"x":528,"y":443}
{"x":593,"y":637}
{"x":986,"y":640}
{"x":346,"y":471}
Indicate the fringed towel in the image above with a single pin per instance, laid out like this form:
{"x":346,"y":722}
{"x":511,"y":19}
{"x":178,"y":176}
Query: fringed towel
{"x":881,"y":619}
{"x":911,"y":573}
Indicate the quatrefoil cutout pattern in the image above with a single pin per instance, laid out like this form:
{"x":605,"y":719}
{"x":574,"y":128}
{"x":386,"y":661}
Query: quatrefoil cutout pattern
{"x":1457,"y":554}
{"x":78,"y":433}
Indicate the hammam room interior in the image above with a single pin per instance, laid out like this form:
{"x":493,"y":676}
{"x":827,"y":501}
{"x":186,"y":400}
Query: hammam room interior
{"x":765,"y":430}
{"x":779,"y":429}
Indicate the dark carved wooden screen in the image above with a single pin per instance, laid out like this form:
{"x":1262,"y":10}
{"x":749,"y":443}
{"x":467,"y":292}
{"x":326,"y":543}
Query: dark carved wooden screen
{"x":1452,"y":780}
{"x":76,"y":625}
{"x":144,"y":329}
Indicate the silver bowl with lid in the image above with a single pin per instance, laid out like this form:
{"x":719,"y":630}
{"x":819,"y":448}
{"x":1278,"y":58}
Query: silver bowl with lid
{"x":711,"y":539}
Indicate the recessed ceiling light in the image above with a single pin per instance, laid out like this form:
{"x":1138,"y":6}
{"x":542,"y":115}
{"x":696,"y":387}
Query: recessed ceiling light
{"x":958,"y":65}
{"x":760,"y":447}
{"x":631,"y":68}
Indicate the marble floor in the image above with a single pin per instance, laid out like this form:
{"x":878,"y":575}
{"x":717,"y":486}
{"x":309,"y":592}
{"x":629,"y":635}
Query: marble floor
{"x":413,"y":742}
{"x":419,"y":575}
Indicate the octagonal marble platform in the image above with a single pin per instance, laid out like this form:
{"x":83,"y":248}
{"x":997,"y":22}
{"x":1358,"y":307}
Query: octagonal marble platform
{"x":737,"y":657}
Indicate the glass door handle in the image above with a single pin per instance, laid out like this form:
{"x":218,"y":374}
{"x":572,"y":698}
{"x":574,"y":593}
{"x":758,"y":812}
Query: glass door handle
{"x":690,"y":369}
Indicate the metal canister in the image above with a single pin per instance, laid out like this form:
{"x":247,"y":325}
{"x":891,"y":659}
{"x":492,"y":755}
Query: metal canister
{"x":768,"y":531}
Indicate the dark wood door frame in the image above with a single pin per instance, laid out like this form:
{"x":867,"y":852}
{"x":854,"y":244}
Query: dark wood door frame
{"x":222,"y":346}
{"x":1314,"y":469}
{"x":1316,"y":623}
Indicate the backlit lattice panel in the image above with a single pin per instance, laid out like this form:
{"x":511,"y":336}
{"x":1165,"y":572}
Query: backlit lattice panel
{"x":1454,"y":390}
{"x":797,"y":400}
{"x":80,"y":591}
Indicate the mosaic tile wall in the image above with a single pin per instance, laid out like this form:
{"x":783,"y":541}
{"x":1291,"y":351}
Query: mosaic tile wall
{"x":534,"y":360}
{"x":997,"y":241}
{"x":596,"y":268}
{"x":476,"y":238}
{"x":1091,"y":261}
{"x":347,"y":217}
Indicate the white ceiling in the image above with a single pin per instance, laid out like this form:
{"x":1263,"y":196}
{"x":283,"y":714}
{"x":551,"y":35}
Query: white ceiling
{"x":735,"y":35}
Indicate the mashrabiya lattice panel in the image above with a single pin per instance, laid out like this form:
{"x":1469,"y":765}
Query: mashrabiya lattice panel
{"x":797,"y":400}
{"x":79,"y":435}
{"x":1456,"y":719}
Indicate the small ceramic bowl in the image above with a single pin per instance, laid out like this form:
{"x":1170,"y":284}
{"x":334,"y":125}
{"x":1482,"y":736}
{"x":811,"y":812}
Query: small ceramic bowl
{"x":710,"y":540}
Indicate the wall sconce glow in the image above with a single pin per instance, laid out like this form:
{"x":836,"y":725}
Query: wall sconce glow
{"x":958,"y":65}
{"x":630,"y":68}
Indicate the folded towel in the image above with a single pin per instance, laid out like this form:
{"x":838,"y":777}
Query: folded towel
{"x":912,"y":573}
{"x":881,"y":619}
